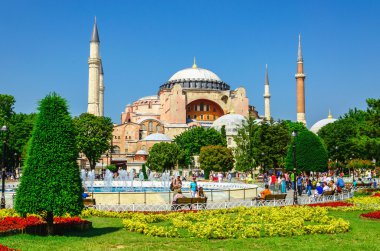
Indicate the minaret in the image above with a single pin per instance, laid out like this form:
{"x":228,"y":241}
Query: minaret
{"x":93,"y":73}
{"x":101,"y":91}
{"x":267,"y":95}
{"x":300,"y":81}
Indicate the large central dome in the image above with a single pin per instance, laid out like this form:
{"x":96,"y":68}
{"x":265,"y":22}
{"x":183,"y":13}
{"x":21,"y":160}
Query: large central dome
{"x":195,"y":73}
{"x":196,"y":78}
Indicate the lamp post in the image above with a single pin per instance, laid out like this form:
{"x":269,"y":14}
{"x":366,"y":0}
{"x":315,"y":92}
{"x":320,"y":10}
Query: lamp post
{"x":102,"y":168}
{"x":294,"y":135}
{"x":15,"y":166}
{"x":2,"y":204}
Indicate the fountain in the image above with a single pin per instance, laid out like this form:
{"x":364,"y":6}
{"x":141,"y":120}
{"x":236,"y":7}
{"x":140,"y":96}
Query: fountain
{"x":123,"y":176}
{"x":151,"y":176}
{"x":108,"y":178}
{"x":141,"y":178}
{"x":91,"y":178}
{"x":131,"y":177}
{"x":83,"y":177}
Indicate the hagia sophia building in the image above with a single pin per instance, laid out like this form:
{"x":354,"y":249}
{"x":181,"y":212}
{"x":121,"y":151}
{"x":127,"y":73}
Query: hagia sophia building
{"x":191,"y":97}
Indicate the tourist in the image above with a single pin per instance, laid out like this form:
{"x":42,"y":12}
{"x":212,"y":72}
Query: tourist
{"x":287,"y":180}
{"x":193,"y":187}
{"x":374,"y":183}
{"x":177,"y":185}
{"x":264,"y":193}
{"x":178,"y":196}
{"x":85,"y":194}
{"x":200,"y":193}
{"x":326,"y":188}
{"x":229,"y":177}
{"x":308,"y":186}
{"x":283,"y":185}
{"x":273,"y":181}
{"x":279,"y":182}
{"x":299,"y":184}
{"x":220,"y":177}
{"x":318,"y":190}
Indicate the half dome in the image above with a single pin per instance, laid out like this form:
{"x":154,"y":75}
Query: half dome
{"x":321,"y":123}
{"x":157,"y":137}
{"x":232,"y":122}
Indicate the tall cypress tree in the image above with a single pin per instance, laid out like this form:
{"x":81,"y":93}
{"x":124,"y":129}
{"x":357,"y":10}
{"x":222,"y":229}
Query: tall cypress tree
{"x":50,"y":184}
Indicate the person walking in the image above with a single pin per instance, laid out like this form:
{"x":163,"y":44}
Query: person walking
{"x":299,"y":184}
{"x":193,"y":187}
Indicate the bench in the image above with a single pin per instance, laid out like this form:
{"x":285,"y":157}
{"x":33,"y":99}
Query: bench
{"x":89,"y":202}
{"x":328,"y":193}
{"x":272,"y":198}
{"x":189,"y":203}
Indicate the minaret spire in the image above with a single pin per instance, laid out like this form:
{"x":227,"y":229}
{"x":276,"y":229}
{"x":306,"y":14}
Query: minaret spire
{"x":300,"y":85}
{"x":299,"y":58}
{"x":94,"y":63}
{"x":267,"y":95}
{"x":101,"y":90}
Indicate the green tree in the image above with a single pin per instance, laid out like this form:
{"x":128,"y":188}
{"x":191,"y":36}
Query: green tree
{"x":163,"y":156}
{"x":245,"y":146}
{"x":51,"y":184}
{"x":270,"y":142}
{"x":216,"y":158}
{"x":262,"y":144}
{"x":224,"y":135}
{"x":311,"y":154}
{"x":191,"y":141}
{"x":20,"y":131}
{"x":94,"y":135}
{"x":144,"y":172}
{"x":6,"y":108}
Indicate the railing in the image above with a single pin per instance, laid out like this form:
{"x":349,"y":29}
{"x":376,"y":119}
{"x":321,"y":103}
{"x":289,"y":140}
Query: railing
{"x":155,"y":198}
{"x":225,"y":204}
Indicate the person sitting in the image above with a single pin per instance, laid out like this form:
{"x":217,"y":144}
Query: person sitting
{"x":264,"y":193}
{"x":326,"y":188}
{"x":200,"y":193}
{"x":85,"y":194}
{"x":177,"y":196}
{"x":318,"y":190}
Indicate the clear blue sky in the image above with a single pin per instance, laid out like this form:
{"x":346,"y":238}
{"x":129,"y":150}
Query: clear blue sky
{"x":44,"y":47}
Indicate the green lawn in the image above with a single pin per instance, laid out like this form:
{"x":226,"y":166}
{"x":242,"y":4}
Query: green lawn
{"x":108,"y":234}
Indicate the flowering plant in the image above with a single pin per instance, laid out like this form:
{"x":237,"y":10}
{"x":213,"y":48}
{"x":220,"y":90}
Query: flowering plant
{"x":372,"y":215}
{"x":331,"y":204}
{"x":5,"y":248}
{"x":238,"y":222}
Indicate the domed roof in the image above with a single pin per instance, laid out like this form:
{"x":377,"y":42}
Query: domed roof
{"x":321,"y":123}
{"x":157,"y":137}
{"x":195,"y":73}
{"x":231,"y":121}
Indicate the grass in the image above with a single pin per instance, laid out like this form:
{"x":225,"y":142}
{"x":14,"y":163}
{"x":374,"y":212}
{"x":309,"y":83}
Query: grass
{"x":109,"y":234}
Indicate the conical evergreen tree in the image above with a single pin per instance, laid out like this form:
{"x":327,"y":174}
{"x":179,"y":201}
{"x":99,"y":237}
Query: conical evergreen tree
{"x":50,"y":184}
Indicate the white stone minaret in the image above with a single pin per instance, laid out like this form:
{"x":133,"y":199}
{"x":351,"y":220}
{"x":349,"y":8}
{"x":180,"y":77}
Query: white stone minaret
{"x":300,"y":85}
{"x":267,"y":95}
{"x":94,"y":73}
{"x":101,"y":91}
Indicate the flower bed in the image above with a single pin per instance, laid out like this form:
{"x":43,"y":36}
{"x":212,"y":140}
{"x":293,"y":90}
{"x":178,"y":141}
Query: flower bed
{"x":5,"y":248}
{"x":35,"y":225}
{"x":332,"y":204}
{"x":372,"y":215}
{"x":376,"y":195}
{"x":237,"y":223}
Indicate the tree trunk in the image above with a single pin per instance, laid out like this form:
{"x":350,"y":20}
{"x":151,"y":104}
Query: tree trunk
{"x":50,"y":223}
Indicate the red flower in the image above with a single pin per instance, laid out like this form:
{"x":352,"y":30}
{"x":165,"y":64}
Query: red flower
{"x":331,"y":204}
{"x":376,"y":195}
{"x":373,"y":215}
{"x":5,"y":248}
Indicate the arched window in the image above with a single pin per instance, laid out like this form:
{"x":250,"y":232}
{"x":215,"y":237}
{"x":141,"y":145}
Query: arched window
{"x":158,"y":128}
{"x":150,"y":125}
{"x":229,"y":141}
{"x":143,"y":127}
{"x":201,"y":107}
{"x":116,"y":149}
